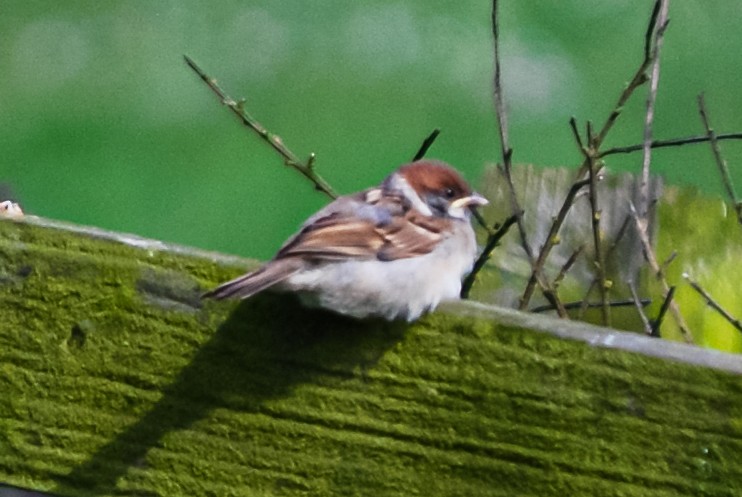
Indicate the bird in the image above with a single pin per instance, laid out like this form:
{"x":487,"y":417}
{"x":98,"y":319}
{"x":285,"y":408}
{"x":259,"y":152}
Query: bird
{"x":394,"y":251}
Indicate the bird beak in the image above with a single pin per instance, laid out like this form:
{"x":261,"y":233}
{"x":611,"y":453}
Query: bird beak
{"x":473,"y":200}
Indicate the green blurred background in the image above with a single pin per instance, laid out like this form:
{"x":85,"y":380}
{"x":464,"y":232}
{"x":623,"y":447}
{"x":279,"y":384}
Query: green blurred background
{"x":102,"y":123}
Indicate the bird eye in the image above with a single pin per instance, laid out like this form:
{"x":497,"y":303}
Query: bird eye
{"x":449,"y":193}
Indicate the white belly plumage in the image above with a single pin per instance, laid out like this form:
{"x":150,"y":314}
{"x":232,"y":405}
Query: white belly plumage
{"x":399,"y":289}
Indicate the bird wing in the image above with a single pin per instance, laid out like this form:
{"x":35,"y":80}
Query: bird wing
{"x":359,"y":227}
{"x":249,"y":284}
{"x":384,"y":230}
{"x":411,"y":236}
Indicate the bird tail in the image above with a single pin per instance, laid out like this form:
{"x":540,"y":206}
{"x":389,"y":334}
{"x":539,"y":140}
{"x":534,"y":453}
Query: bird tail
{"x":249,"y":284}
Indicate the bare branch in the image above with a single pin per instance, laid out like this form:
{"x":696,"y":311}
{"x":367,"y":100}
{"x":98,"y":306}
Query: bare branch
{"x":641,"y":228}
{"x":654,"y":79}
{"x":493,"y":241}
{"x":551,"y":240}
{"x":674,"y":142}
{"x":713,"y":303}
{"x":576,"y":305}
{"x":567,"y":266}
{"x":481,"y":221}
{"x":502,"y":117}
{"x":576,"y":134}
{"x":426,"y":144}
{"x":639,"y":78}
{"x":668,"y":261}
{"x":723,"y":169}
{"x":657,"y":323}
{"x":238,"y":109}
{"x":553,"y":298}
{"x":507,"y":152}
{"x":310,"y":161}
{"x":594,"y":143}
{"x":599,"y":258}
{"x":651,"y":29}
{"x":608,"y":255}
{"x":640,"y":308}
{"x":507,"y":165}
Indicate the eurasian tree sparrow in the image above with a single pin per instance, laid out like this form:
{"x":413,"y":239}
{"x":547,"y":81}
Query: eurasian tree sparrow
{"x":394,"y":251}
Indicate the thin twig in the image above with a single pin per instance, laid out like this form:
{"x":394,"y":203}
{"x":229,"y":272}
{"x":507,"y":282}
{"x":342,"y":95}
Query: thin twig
{"x":577,"y":304}
{"x":507,"y":166}
{"x":668,"y":261}
{"x":502,"y":118}
{"x":639,"y":78}
{"x":238,"y":109}
{"x":641,"y":228}
{"x":595,"y":143}
{"x":493,"y":240}
{"x":653,"y":45}
{"x":481,"y":221}
{"x":599,"y":256}
{"x":567,"y":266}
{"x":651,"y":29}
{"x":713,"y":303}
{"x":576,"y":133}
{"x":550,"y":241}
{"x":555,"y":302}
{"x":608,"y":255}
{"x":426,"y":144}
{"x":657,"y":323}
{"x":654,"y":79}
{"x":723,"y":169}
{"x":673,"y":142}
{"x":502,"y":122}
{"x":640,"y":308}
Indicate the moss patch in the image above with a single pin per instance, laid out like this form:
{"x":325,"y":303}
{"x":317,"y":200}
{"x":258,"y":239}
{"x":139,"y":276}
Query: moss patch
{"x":117,"y":380}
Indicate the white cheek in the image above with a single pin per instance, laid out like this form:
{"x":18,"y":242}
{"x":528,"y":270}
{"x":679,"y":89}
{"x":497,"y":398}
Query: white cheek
{"x":400,"y":184}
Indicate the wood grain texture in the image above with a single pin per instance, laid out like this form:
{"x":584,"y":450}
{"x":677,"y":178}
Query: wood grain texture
{"x":116,"y":380}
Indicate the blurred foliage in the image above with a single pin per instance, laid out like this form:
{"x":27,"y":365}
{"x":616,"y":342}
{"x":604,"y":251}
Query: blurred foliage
{"x":703,"y":232}
{"x":103,"y":124}
{"x":708,"y":240}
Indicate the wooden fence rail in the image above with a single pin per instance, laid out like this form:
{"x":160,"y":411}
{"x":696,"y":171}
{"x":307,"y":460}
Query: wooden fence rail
{"x":115,"y":379}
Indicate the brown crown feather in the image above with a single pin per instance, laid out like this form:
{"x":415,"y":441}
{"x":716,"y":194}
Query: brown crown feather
{"x":435,"y":176}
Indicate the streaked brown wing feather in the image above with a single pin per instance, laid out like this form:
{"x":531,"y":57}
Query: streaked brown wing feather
{"x":411,"y":236}
{"x":367,"y":225}
{"x":249,"y":284}
{"x":337,"y":237}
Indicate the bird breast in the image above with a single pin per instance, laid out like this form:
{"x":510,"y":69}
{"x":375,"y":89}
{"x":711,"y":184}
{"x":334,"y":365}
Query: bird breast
{"x":396,"y":289}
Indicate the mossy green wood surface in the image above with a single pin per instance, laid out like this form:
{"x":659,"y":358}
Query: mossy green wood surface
{"x":116,"y":380}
